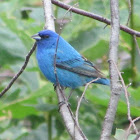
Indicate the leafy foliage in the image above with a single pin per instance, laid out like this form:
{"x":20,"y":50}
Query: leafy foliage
{"x":29,"y":108}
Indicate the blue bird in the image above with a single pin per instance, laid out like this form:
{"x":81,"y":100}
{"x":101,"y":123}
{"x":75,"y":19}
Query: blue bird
{"x":73,"y":70}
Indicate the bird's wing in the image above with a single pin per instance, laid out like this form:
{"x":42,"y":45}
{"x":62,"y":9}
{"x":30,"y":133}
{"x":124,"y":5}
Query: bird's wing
{"x":80,"y":66}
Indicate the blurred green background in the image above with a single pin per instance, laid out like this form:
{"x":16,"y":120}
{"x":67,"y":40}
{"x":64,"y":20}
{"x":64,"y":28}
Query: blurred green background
{"x":29,"y":110}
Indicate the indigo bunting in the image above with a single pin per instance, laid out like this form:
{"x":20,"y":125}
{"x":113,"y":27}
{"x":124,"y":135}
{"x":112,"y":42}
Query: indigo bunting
{"x":73,"y":70}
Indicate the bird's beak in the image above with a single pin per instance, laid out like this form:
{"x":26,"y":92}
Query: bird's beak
{"x":36,"y":37}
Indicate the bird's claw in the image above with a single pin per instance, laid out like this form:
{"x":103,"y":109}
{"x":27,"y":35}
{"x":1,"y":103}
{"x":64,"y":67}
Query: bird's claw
{"x":62,"y":103}
{"x":54,"y":87}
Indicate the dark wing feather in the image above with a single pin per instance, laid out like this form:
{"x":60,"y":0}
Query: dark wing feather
{"x":86,"y":69}
{"x":90,"y":63}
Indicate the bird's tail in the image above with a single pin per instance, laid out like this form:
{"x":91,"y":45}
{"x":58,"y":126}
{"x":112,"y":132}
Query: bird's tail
{"x":103,"y":81}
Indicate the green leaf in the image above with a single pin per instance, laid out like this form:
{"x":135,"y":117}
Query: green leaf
{"x":14,"y":132}
{"x":46,"y":107}
{"x":97,"y":51}
{"x":38,"y":134}
{"x":11,"y":47}
{"x":23,"y":107}
{"x":121,"y":135}
{"x":101,"y":96}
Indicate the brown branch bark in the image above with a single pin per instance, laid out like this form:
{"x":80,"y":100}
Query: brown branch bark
{"x":95,"y":16}
{"x":113,"y":57}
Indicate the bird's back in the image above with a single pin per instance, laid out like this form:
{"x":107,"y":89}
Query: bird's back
{"x":73,"y":70}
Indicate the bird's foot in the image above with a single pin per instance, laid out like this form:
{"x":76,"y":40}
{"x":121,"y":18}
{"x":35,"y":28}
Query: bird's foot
{"x":62,"y":103}
{"x":62,"y":88}
{"x":54,"y":87}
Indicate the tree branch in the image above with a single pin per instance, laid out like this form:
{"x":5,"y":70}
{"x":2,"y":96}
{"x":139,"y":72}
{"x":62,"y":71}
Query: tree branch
{"x":20,"y":71}
{"x":73,"y":129}
{"x":48,"y":14}
{"x":130,"y":11}
{"x":113,"y":57}
{"x":94,"y":16}
{"x":137,"y":136}
{"x":137,"y":45}
{"x":80,"y":100}
{"x":127,"y":100}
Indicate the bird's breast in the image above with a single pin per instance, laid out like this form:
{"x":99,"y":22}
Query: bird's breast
{"x":46,"y":64}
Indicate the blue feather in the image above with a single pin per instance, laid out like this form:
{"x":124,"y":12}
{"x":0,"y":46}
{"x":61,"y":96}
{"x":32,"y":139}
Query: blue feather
{"x":73,"y":70}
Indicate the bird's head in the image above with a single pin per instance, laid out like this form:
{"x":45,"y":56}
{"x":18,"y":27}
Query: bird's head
{"x":45,"y":35}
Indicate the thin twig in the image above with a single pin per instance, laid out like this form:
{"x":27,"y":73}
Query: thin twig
{"x":65,"y":111}
{"x":76,"y":126}
{"x":80,"y":100}
{"x":69,"y":10}
{"x":127,"y":99}
{"x":55,"y":56}
{"x":137,"y":136}
{"x":20,"y":71}
{"x":130,"y":11}
{"x":137,"y":46}
{"x":94,"y":16}
{"x":130,"y":125}
{"x":69,"y":119}
{"x":55,"y":72}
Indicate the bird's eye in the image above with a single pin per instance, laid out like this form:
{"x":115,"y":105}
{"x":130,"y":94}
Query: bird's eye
{"x":46,"y":36}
